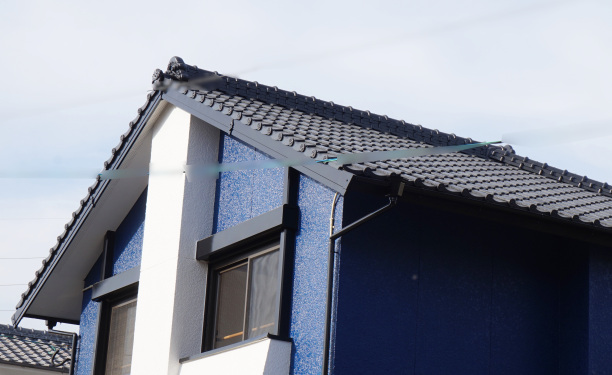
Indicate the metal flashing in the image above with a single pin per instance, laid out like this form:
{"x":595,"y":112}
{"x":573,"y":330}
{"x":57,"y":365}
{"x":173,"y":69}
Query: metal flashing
{"x":335,"y":179}
{"x":115,"y":283}
{"x":260,"y":227}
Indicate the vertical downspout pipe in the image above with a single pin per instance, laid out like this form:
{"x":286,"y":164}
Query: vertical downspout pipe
{"x":330,"y":267}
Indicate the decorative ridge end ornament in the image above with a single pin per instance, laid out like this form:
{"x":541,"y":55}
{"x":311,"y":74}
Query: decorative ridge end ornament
{"x":180,"y":74}
{"x":178,"y":70}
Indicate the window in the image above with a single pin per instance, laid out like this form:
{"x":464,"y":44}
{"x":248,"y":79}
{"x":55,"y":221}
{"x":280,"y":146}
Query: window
{"x":244,"y":301}
{"x":117,"y":314}
{"x":121,"y":338}
{"x":116,"y":328}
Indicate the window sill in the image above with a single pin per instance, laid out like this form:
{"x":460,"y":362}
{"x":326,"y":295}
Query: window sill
{"x":267,"y":354}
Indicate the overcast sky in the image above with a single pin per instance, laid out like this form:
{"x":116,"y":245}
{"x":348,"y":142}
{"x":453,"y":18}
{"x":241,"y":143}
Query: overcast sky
{"x":74,"y":73}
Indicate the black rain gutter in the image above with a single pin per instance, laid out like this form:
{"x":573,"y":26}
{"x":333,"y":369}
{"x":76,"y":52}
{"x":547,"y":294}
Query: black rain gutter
{"x":332,"y":259}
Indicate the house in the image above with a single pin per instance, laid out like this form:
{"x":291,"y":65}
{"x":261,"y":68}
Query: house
{"x":475,"y":262}
{"x":33,"y":352}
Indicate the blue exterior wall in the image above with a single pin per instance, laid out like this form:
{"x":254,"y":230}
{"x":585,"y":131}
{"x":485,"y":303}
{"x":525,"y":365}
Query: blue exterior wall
{"x":424,"y":291}
{"x":310,"y":275}
{"x":244,"y":194}
{"x":126,"y":254}
{"x":88,"y":323}
{"x":129,"y":236}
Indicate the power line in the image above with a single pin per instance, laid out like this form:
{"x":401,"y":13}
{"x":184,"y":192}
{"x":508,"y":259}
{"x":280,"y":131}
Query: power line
{"x":31,"y":218}
{"x":401,"y":38}
{"x":339,"y":51}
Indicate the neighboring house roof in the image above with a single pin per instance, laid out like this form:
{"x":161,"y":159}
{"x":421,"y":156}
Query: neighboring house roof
{"x":32,"y":348}
{"x":286,"y":124}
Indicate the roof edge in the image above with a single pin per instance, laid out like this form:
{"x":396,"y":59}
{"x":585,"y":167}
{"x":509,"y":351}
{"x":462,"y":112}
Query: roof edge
{"x":118,"y":154}
{"x":188,"y":77}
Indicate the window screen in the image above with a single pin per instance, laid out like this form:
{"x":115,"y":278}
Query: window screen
{"x":230,"y":310}
{"x":247,"y":295}
{"x":121,"y":339}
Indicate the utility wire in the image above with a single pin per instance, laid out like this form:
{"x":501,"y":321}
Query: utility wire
{"x":31,"y":218}
{"x":359,"y":47}
{"x":405,"y":37}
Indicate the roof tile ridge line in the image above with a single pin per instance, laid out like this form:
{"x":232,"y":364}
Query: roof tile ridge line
{"x":178,"y":71}
{"x":312,"y":105}
{"x":430,"y":136}
{"x":552,"y":173}
{"x":89,"y":200}
{"x":33,"y":333}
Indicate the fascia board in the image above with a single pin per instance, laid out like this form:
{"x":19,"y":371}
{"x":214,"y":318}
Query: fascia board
{"x":334,"y":179}
{"x":22,"y":311}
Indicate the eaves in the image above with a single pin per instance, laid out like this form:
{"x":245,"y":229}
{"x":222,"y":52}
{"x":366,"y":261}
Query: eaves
{"x":335,"y":179}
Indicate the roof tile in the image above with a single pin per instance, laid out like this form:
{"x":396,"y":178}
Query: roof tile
{"x":33,"y":348}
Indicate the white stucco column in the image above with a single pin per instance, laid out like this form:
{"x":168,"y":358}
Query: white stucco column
{"x":169,"y":316}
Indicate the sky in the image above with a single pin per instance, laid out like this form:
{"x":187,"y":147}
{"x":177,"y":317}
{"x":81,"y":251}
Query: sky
{"x":533,"y":73}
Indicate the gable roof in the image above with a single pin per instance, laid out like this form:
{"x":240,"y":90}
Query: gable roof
{"x":322,"y":130}
{"x":33,"y":348}
{"x":285,"y":124}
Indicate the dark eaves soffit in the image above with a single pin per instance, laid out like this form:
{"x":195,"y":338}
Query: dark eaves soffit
{"x":320,"y":130}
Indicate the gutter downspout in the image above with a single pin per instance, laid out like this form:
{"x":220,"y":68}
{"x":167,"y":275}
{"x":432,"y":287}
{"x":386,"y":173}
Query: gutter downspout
{"x":331,"y":260}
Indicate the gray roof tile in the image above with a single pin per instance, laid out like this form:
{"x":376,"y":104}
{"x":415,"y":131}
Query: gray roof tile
{"x":33,"y":348}
{"x":322,"y":129}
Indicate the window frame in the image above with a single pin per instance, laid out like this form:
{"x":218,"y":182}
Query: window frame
{"x":280,"y":224}
{"x":215,"y":267}
{"x":120,"y":297}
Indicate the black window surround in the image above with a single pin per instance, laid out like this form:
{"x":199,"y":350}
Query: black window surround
{"x":110,"y":300}
{"x":233,"y":244}
{"x":262,"y":227}
{"x":237,"y":244}
{"x":235,"y":284}
{"x":116,"y":284}
{"x":110,"y":291}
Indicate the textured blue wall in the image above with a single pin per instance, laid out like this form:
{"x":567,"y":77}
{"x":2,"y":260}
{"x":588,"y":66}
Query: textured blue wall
{"x":244,"y":194}
{"x":128,"y":237}
{"x":126,"y":254}
{"x":423,"y":291}
{"x":88,"y":325}
{"x":310,"y":275}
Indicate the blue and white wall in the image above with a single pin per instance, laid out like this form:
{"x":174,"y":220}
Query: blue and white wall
{"x":127,"y":253}
{"x":179,"y":212}
{"x":243,"y":195}
{"x":418,"y":289}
